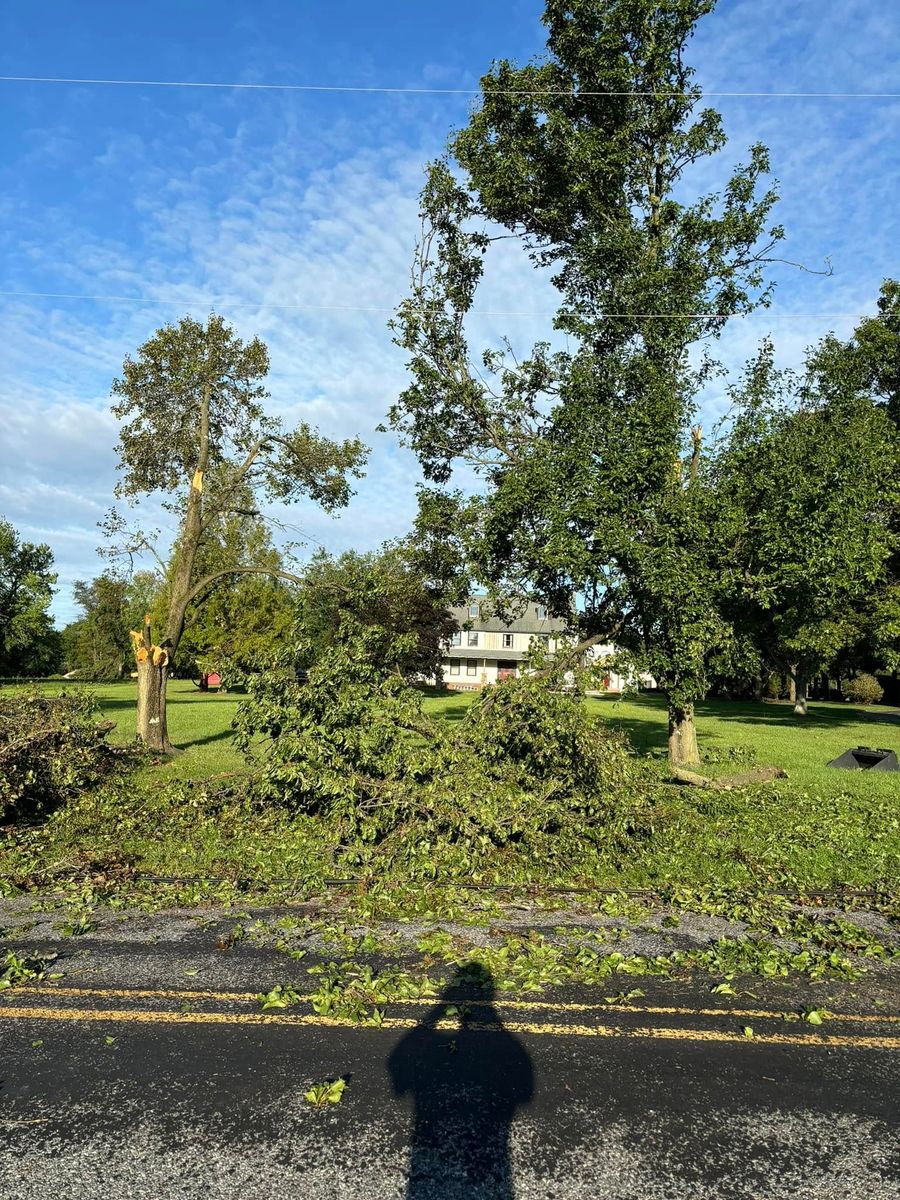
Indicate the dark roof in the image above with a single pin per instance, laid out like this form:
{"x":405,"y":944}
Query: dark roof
{"x":528,"y":622}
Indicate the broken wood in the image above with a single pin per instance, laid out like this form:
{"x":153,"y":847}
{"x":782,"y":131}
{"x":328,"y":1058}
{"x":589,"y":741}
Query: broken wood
{"x":726,"y":782}
{"x":747,"y":778}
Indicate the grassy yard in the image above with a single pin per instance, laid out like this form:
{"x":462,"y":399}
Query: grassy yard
{"x":802,"y":746}
{"x":820,"y":829}
{"x":199,"y":724}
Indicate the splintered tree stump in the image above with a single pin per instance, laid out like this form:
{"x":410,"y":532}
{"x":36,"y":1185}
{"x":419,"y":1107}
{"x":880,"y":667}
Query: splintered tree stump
{"x":725,"y":782}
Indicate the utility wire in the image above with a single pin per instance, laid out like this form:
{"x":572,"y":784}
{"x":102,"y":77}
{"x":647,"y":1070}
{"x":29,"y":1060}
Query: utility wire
{"x":426,"y":91}
{"x":475,"y":312}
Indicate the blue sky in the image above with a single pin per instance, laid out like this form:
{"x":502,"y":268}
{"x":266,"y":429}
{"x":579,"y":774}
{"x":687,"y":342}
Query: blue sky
{"x":251,"y":200}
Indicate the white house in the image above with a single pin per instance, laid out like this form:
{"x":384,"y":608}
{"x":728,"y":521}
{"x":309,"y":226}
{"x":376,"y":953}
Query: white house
{"x":611,"y":680}
{"x":486,"y":650}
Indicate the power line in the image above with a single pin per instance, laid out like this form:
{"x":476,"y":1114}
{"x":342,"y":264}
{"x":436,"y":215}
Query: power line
{"x":475,"y":312}
{"x":429,"y":91}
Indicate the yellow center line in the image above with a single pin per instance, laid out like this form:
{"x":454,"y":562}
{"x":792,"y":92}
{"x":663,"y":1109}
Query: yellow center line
{"x":430,"y":1001}
{"x":136,"y":1016}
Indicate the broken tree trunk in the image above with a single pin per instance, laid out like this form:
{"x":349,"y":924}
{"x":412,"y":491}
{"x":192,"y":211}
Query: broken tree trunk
{"x":682,"y":735}
{"x":153,"y":671}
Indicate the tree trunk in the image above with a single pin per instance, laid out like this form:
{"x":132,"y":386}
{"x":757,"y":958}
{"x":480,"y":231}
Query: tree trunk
{"x":154,"y":661}
{"x":153,"y":674}
{"x":800,"y":689}
{"x":682,"y":735}
{"x":151,"y":706}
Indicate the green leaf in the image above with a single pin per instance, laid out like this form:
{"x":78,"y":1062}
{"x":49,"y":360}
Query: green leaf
{"x":329,"y":1092}
{"x":280,"y":996}
{"x":815,"y":1016}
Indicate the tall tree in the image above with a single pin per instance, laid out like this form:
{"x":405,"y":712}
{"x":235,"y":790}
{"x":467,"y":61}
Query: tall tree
{"x":875,"y":350}
{"x":805,"y":467}
{"x":871,"y":358}
{"x":195,"y":429}
{"x":101,"y":645}
{"x":29,"y":645}
{"x":595,"y":483}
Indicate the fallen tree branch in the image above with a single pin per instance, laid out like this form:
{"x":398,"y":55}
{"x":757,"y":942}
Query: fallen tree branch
{"x":725,"y":782}
{"x":690,"y":778}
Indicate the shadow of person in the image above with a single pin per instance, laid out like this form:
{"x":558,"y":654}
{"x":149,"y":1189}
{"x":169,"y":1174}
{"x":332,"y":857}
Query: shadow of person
{"x":466,"y":1084}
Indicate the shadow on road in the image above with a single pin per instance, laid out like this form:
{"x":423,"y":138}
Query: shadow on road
{"x":466,"y":1085}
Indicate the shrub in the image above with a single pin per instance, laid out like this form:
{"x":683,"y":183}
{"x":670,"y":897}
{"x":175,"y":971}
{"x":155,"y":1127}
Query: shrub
{"x":864,"y":689}
{"x":50,"y":748}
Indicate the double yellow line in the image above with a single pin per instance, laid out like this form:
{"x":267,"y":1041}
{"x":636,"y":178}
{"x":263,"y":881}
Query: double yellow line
{"x":662,"y":1031}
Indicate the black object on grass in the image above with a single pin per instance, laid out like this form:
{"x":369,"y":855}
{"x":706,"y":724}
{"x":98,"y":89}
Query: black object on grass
{"x":865,"y":759}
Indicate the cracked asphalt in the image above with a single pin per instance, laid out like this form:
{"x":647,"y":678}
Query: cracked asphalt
{"x":148,"y":1070}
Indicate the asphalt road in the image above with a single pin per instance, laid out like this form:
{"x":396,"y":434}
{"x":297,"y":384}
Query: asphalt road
{"x":149,"y":1072}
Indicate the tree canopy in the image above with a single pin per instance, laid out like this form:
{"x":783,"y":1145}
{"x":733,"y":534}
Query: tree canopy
{"x":593,"y":481}
{"x":384,"y":592}
{"x":29,"y":645}
{"x":805,"y":469}
{"x":98,"y":642}
{"x":195,"y":429}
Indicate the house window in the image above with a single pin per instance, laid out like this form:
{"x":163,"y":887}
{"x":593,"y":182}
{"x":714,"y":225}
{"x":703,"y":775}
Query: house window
{"x":507,"y":641}
{"x":541,"y":612}
{"x":473,"y":638}
{"x":454,"y":666}
{"x":471,"y":666}
{"x":473,"y":610}
{"x":543,"y":639}
{"x":456,"y":638}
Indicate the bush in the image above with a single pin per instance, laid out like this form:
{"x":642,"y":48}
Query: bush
{"x":50,"y":748}
{"x":864,"y":689}
{"x":526,"y":777}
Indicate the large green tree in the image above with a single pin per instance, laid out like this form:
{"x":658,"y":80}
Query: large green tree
{"x":29,"y":645}
{"x":874,"y":350}
{"x":97,"y":643}
{"x":594,"y":483}
{"x":194,"y":429}
{"x":871,"y":359}
{"x":805,"y":468}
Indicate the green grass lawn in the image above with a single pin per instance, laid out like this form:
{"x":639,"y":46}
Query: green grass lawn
{"x":200,"y":726}
{"x":802,"y":746}
{"x":821,"y":828}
